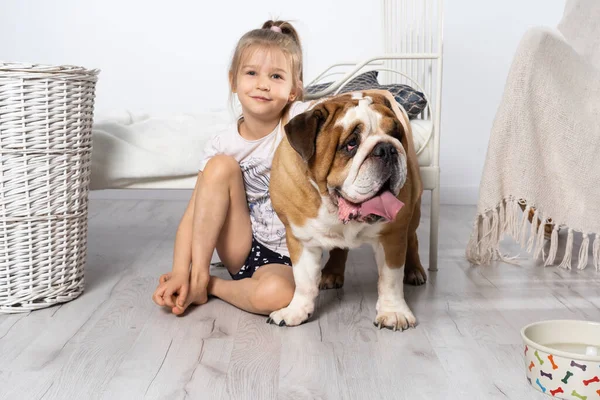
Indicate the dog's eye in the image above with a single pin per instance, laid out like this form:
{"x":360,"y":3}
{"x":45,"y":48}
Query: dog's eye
{"x":351,"y":145}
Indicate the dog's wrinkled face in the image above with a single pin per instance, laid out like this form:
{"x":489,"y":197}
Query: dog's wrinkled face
{"x":353,"y":146}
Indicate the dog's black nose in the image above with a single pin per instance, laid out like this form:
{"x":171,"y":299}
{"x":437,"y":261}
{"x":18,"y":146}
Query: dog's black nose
{"x":384,"y":150}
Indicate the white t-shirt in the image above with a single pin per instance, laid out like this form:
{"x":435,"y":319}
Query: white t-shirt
{"x":255,"y":158}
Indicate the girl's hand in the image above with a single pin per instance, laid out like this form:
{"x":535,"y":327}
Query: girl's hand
{"x":172,"y":291}
{"x":175,"y":291}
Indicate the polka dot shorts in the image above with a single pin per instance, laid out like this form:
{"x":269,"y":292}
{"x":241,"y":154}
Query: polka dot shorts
{"x":259,"y":256}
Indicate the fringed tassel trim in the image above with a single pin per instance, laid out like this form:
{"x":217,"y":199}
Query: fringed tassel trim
{"x":539,"y":246}
{"x":524,"y":224}
{"x":583,"y":252}
{"x":566,"y":262}
{"x":473,"y":252}
{"x":481,"y":248}
{"x":596,"y":252}
{"x":502,"y":220}
{"x":484,"y":243}
{"x":532,"y":233}
{"x":553,"y":247}
{"x":517,"y":216}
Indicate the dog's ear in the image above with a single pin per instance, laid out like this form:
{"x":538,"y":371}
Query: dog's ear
{"x":302,"y":131}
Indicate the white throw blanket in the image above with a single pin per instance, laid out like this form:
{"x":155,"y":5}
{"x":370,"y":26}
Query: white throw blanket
{"x":135,"y":149}
{"x":544,"y":146}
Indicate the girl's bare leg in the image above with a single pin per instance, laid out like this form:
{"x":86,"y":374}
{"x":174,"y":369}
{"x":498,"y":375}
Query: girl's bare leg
{"x":220,"y":219}
{"x":270,"y":288}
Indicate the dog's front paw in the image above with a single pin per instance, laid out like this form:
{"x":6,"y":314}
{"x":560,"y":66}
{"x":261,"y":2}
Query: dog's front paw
{"x":399,"y":319}
{"x":289,"y":316}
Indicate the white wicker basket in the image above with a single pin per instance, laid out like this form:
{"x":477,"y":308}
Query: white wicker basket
{"x":46,"y":115}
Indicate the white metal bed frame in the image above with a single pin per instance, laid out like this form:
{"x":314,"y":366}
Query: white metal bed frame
{"x":413,"y":49}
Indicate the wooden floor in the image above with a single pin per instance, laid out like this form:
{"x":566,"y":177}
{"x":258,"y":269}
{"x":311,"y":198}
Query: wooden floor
{"x":114,"y":343}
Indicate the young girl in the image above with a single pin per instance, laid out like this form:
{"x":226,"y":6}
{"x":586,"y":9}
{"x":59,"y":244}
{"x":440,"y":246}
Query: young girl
{"x":230,"y":209}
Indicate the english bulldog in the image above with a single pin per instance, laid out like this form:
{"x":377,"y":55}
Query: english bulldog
{"x":346,"y":174}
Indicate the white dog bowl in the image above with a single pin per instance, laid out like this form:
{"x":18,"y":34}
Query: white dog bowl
{"x":562,"y":358}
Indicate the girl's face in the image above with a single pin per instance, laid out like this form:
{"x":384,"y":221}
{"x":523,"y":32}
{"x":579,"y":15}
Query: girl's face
{"x":264,"y":84}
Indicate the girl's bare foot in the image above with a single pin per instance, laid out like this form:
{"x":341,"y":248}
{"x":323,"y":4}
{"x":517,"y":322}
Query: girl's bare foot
{"x":196,"y":294}
{"x":178,"y":292}
{"x":172,"y":290}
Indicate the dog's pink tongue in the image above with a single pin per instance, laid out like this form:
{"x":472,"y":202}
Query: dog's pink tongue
{"x":385,"y":205}
{"x":346,"y":210}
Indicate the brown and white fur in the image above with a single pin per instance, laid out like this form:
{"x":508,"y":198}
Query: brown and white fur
{"x":313,"y":166}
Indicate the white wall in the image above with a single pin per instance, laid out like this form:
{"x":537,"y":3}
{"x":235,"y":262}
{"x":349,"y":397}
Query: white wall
{"x":159,"y":57}
{"x":480,"y":38}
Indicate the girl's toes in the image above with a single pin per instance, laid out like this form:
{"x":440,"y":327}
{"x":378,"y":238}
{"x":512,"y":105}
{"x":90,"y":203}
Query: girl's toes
{"x":178,"y":310}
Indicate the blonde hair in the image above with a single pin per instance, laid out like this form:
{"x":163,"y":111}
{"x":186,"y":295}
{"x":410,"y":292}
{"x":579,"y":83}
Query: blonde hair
{"x":283,"y":37}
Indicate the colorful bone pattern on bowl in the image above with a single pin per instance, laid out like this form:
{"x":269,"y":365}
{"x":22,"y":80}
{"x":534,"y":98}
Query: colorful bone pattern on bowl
{"x":562,"y":377}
